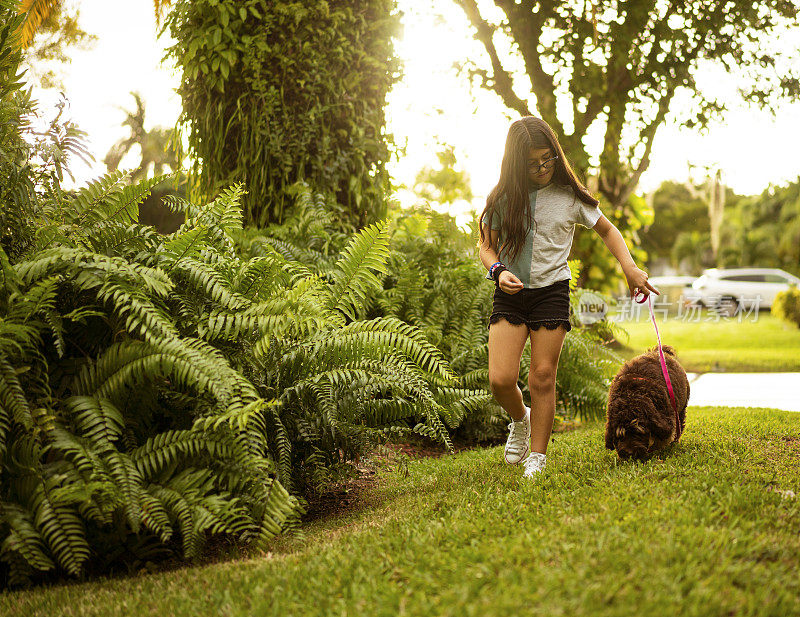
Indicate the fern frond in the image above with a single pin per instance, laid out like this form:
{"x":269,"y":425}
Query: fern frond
{"x":116,"y":239}
{"x":23,"y":537}
{"x":178,"y":205}
{"x":284,"y":446}
{"x":353,"y":276}
{"x":86,"y":267}
{"x":180,"y":512}
{"x":89,"y":199}
{"x":190,"y":363}
{"x":393,"y":371}
{"x":584,"y":380}
{"x":239,"y":417}
{"x":229,"y":326}
{"x":384,"y":412}
{"x":291,"y":252}
{"x":460,"y":402}
{"x":61,"y":528}
{"x":208,"y":280}
{"x":286,"y":312}
{"x":154,"y":515}
{"x":378,"y":335}
{"x":124,"y":205}
{"x":13,"y":400}
{"x":20,"y":338}
{"x":221,"y":217}
{"x":129,"y":481}
{"x":275,"y":510}
{"x":180,"y":245}
{"x":256,"y":275}
{"x":191,"y":497}
{"x":9,"y":279}
{"x":141,"y":315}
{"x":167,"y":448}
{"x":38,"y":298}
{"x":78,"y":450}
{"x":97,"y":419}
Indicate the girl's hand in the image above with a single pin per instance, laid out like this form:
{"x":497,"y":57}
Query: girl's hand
{"x":637,"y":281}
{"x":508,"y":282}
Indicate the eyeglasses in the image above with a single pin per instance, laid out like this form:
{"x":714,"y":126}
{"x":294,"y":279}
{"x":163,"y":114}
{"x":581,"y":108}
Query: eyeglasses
{"x":546,"y":165}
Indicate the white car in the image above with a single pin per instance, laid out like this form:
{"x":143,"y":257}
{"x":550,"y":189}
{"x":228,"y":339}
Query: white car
{"x":727,"y":289}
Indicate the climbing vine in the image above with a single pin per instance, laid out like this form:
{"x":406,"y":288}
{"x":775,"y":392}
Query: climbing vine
{"x":275,"y":92}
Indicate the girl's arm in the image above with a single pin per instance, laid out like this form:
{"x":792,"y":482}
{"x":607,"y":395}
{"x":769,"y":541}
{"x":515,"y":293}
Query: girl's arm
{"x":488,"y":255}
{"x":488,"y":250}
{"x":637,"y":278}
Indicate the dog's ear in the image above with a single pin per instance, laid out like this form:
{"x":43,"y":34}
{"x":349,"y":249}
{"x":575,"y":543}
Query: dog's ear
{"x":660,"y":426}
{"x":668,"y":349}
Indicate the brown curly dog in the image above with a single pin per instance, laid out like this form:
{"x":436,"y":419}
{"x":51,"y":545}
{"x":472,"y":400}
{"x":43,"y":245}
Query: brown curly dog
{"x":640,"y":419}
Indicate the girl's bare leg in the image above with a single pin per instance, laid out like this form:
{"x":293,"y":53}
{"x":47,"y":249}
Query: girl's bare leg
{"x":506,"y":342}
{"x":545,"y":352}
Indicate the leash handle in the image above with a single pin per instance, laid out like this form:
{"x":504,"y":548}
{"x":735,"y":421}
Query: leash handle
{"x":661,"y":357}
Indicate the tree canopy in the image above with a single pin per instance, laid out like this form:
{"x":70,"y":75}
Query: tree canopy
{"x":623,"y":64}
{"x":446,"y":184}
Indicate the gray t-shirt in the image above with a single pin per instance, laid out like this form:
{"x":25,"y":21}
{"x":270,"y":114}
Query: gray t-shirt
{"x":543,"y":259}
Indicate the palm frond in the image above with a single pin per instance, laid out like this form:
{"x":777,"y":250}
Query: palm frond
{"x":35,"y":11}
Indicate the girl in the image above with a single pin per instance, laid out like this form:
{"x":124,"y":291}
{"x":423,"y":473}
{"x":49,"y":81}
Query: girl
{"x":533,"y":211}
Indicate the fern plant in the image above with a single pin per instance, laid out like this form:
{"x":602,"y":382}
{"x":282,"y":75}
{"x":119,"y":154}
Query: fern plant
{"x":101,"y":394}
{"x":381,"y":398}
{"x":168,"y":388}
{"x":340,"y":382}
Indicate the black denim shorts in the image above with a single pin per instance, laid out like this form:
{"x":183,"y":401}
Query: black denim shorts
{"x":546,"y":306}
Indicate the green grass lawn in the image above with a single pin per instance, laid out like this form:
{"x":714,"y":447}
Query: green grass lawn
{"x":767,"y":344}
{"x":707,"y":529}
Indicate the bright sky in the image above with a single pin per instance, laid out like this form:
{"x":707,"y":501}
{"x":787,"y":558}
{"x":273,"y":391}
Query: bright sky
{"x":430,"y":104}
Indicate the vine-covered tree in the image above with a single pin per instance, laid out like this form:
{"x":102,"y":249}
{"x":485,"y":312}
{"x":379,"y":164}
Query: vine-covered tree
{"x":275,"y":92}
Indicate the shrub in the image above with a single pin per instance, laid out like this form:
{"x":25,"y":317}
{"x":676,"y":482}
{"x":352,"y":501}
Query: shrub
{"x":786,"y":305}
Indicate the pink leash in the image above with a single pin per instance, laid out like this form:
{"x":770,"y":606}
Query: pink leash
{"x":663,"y":361}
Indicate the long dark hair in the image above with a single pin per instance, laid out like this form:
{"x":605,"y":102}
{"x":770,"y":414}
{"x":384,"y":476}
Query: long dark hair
{"x":523,"y":134}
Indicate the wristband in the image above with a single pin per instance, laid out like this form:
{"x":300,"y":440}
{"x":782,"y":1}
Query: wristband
{"x":491,"y":270}
{"x":496,"y":273}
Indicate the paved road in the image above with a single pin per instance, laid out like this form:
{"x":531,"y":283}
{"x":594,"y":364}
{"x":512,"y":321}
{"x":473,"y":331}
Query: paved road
{"x":778,"y":390}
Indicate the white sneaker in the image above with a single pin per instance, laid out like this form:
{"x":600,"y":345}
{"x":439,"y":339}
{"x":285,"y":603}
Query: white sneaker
{"x":519,"y":439}
{"x":534,"y":464}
